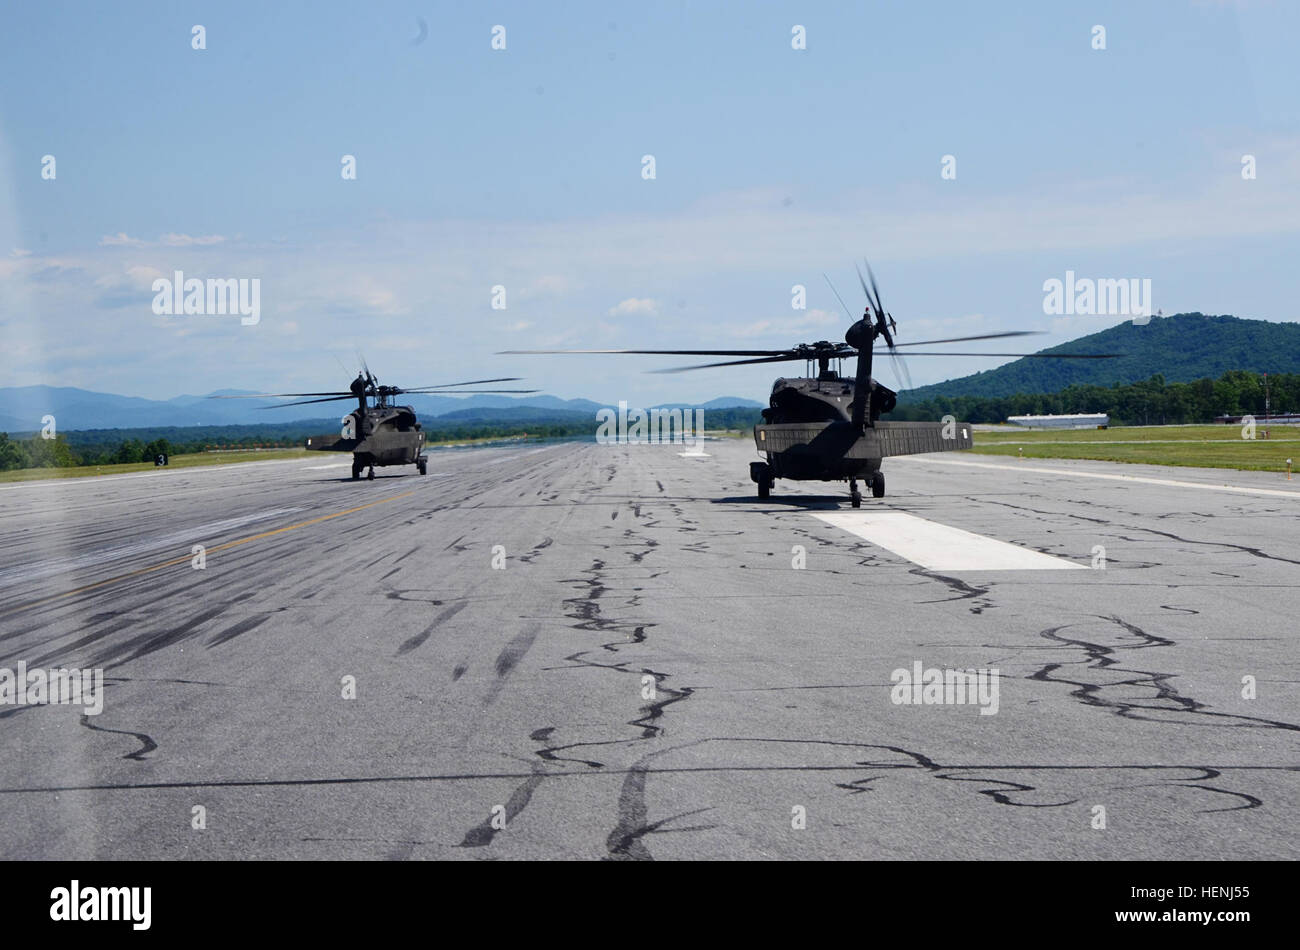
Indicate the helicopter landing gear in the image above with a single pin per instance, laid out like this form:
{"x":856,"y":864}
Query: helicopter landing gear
{"x":761,"y":472}
{"x":422,"y":465}
{"x":855,"y":496}
{"x":370,"y":476}
{"x":878,"y":485}
{"x":356,"y":470}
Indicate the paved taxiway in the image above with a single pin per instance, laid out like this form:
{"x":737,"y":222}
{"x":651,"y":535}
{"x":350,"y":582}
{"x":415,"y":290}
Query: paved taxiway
{"x":523,"y":691}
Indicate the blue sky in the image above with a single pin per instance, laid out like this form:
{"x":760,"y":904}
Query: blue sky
{"x":522,"y":167}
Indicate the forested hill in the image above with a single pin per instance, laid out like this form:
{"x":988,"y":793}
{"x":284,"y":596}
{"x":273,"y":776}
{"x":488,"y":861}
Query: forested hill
{"x":1182,"y":348}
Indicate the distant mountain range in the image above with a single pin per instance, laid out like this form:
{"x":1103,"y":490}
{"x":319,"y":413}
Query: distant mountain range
{"x":21,"y":409}
{"x":1181,"y":348}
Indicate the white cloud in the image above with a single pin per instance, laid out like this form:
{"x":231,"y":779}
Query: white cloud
{"x":171,"y":239}
{"x":144,"y":276}
{"x":635,"y":307}
{"x":814,"y":321}
{"x":120,"y":239}
{"x":185,"y":240}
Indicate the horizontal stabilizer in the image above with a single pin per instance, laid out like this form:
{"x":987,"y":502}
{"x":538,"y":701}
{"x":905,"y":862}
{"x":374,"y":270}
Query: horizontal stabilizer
{"x":331,"y":443}
{"x":834,"y":440}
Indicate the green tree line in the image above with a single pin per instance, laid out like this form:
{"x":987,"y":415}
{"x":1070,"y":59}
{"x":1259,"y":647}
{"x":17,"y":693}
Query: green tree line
{"x":1150,"y":402}
{"x":36,"y":452}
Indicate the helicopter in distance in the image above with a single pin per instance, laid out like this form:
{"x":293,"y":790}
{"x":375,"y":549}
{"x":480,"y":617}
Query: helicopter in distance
{"x":379,"y":432}
{"x":827,"y":427}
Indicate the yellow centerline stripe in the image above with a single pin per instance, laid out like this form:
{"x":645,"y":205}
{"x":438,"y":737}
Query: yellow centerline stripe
{"x":220,"y":547}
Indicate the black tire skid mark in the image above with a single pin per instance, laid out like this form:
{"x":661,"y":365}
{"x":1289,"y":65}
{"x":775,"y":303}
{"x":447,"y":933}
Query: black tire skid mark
{"x":56,"y":655}
{"x":961,"y":588}
{"x":625,"y":839}
{"x":537,"y":549}
{"x":480,"y":836}
{"x":239,"y":628}
{"x":144,"y":644}
{"x":1099,"y":656}
{"x":437,"y":621}
{"x":1244,"y":548}
{"x":508,"y":659}
{"x":1208,"y":774}
{"x":624,"y":842}
{"x":147,"y":744}
{"x":1000,"y":795}
{"x":483,"y":834}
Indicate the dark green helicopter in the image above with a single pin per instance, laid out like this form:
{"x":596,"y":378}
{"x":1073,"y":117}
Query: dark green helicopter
{"x":827,"y":427}
{"x":378,"y":432}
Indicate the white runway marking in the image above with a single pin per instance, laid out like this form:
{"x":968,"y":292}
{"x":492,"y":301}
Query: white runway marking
{"x":938,"y":547}
{"x":1140,"y":479}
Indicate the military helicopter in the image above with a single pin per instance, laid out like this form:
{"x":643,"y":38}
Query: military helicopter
{"x":827,"y":427}
{"x":381,"y":434}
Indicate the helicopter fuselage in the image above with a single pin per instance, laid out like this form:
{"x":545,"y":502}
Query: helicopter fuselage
{"x":827,"y":398}
{"x":808,"y":434}
{"x":388,"y":435}
{"x":377,"y":436}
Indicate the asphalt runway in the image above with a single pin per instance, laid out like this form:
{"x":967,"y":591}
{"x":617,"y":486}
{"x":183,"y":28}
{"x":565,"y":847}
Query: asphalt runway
{"x":656,"y":671}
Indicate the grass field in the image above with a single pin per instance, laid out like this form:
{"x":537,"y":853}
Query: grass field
{"x":193,"y":460}
{"x":197,"y":459}
{"x":1198,"y":446}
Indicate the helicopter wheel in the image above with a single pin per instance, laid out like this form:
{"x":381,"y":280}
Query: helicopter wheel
{"x":421,"y":466}
{"x":356,"y":470}
{"x":371,"y":475}
{"x":878,"y":485}
{"x":855,"y":496}
{"x":765,"y":486}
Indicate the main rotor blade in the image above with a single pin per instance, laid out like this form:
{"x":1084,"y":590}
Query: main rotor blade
{"x":305,"y":402}
{"x":900,"y":368}
{"x":1046,"y":356}
{"x":763,"y":359}
{"x":882,"y":318}
{"x":880,"y":307}
{"x":800,"y":356}
{"x":654,"y":352}
{"x":488,"y":392}
{"x":277,"y":395}
{"x":468,"y":382}
{"x":863,"y":281}
{"x":982,"y":336}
